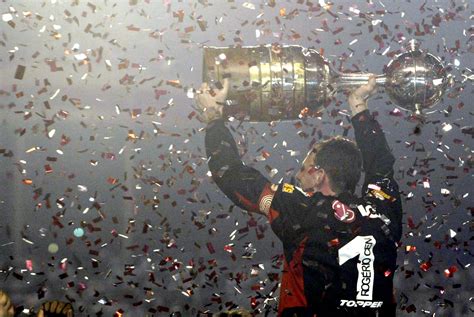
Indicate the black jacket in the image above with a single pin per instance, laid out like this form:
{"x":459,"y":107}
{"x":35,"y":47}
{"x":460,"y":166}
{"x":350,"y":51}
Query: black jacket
{"x":340,"y":252}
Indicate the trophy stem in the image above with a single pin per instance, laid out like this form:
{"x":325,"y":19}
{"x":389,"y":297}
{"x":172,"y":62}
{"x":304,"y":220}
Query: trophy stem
{"x":349,"y":81}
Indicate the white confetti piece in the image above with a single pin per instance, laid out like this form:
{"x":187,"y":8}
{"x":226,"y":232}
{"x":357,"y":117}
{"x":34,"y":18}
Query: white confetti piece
{"x":55,"y":94}
{"x":354,"y":10}
{"x":248,"y":5}
{"x":80,"y":57}
{"x":6,"y":17}
{"x":447,"y":127}
{"x":426,"y":184}
{"x":27,"y":241}
{"x":273,"y":172}
{"x":190,"y":93}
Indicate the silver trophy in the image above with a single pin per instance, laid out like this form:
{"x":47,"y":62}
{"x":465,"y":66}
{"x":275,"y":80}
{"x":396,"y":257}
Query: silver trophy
{"x":283,"y":82}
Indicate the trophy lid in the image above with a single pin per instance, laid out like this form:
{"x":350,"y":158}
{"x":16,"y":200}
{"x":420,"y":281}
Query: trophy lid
{"x":412,"y":45}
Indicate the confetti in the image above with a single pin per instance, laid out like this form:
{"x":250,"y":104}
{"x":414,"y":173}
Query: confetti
{"x":7,"y":17}
{"x":20,"y":72}
{"x":29,"y":265}
{"x":53,"y":248}
{"x":78,"y":232}
{"x":248,"y":5}
{"x":102,"y":147}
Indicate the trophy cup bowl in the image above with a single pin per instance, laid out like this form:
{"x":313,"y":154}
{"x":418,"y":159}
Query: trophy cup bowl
{"x":415,"y":80}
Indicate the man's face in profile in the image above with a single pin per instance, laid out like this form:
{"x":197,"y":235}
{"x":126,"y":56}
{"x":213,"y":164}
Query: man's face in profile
{"x":307,"y":175}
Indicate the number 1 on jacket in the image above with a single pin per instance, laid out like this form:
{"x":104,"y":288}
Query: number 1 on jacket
{"x":362,"y":246}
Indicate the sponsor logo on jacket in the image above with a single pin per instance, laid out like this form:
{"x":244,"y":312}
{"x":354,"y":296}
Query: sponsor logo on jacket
{"x":342,"y":212}
{"x":360,"y":303}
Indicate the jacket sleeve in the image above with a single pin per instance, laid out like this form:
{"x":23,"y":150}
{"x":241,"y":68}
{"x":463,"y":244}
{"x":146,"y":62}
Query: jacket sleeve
{"x":245,"y":186}
{"x":380,"y":187}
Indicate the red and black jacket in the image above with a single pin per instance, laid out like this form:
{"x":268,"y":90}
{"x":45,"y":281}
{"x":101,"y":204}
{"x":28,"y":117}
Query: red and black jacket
{"x":340,"y":252}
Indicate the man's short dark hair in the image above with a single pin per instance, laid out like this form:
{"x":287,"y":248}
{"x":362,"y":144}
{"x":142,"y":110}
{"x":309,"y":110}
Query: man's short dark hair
{"x":342,"y":161}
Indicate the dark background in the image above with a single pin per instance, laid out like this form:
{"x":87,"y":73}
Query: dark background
{"x":99,"y":134}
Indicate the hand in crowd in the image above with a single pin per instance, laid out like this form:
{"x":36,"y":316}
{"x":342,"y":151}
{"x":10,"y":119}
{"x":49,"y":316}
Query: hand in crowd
{"x":6,"y":306}
{"x":55,"y":309}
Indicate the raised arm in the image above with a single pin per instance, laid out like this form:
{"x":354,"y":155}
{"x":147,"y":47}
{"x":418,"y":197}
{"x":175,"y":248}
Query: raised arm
{"x":245,"y":186}
{"x":380,"y":187}
{"x":377,"y":158}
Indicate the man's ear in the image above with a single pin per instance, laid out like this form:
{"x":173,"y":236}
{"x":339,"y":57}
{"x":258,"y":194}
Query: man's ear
{"x":319,"y":176}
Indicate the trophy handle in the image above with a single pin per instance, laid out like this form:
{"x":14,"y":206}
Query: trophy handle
{"x":350,"y":81}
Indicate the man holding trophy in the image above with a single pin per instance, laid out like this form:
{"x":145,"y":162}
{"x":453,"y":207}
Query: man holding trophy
{"x":340,"y":249}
